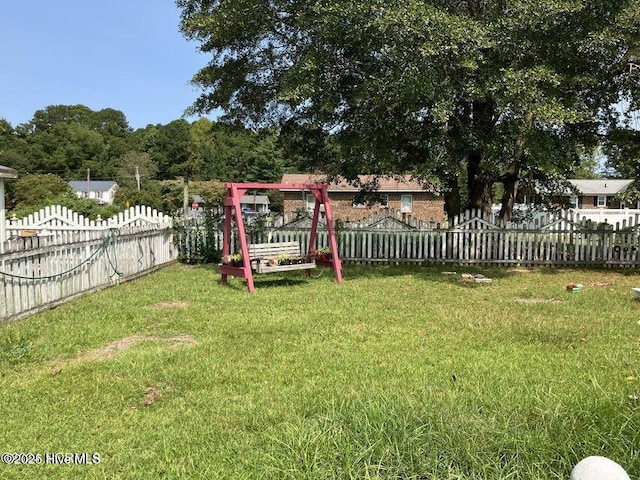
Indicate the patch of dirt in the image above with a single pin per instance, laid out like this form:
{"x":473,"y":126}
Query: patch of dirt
{"x":531,"y":301}
{"x":522,"y":270}
{"x":110,"y":350}
{"x":153,"y":393}
{"x":167,"y":305}
{"x":177,"y":341}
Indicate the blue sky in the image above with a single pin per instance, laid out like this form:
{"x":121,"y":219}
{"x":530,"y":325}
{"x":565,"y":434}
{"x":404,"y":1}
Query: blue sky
{"x":122,"y":54}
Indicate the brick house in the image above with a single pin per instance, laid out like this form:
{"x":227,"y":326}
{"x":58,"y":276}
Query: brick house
{"x":600,"y":193}
{"x":406,"y":196}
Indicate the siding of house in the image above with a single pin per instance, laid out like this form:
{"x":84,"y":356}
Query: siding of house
{"x":590,"y":189}
{"x":102,"y":196}
{"x":591,"y":201}
{"x":259,"y":203}
{"x":101,"y":191}
{"x":424,"y":206}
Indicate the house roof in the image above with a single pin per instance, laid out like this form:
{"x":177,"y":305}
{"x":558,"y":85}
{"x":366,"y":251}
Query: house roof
{"x":247,"y":199}
{"x":386,"y":183}
{"x":601,"y":186}
{"x":94,"y":185}
{"x":6,"y":172}
{"x":258,"y":199}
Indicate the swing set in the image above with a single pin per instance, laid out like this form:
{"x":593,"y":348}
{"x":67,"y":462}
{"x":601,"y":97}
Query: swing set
{"x":255,"y":257}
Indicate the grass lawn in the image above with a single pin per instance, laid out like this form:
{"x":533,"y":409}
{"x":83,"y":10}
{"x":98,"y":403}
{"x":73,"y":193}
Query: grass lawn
{"x":398,"y":373}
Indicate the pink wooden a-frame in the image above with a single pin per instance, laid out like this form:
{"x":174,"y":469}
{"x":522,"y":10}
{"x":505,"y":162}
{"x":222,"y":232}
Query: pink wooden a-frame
{"x":232,"y":206}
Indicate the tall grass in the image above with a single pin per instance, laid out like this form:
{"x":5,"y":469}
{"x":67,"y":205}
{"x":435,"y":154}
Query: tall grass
{"x":396,"y":373}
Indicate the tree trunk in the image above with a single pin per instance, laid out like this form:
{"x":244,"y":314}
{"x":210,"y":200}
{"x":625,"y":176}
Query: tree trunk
{"x":452,"y":203}
{"x":511,"y":181}
{"x":479,"y":184}
{"x":479,"y":181}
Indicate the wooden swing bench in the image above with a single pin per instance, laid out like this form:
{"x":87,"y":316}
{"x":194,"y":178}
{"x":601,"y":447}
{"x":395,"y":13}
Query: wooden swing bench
{"x":261,"y":256}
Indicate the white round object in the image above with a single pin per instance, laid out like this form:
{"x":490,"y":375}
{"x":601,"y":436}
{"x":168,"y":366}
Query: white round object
{"x":598,"y":468}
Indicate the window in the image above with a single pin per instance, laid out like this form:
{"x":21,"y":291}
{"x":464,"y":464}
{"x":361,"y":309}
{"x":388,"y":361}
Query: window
{"x":357,"y":202}
{"x":384,"y":200}
{"x":602,"y":201}
{"x":406,"y":203}
{"x":573,"y":201}
{"x":309,"y":201}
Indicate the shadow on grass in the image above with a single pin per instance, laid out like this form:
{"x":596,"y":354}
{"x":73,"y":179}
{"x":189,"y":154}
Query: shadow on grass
{"x":382,"y":269}
{"x":263,"y":281}
{"x":629,"y":271}
{"x":432,"y":273}
{"x":435,"y":272}
{"x":351,"y":272}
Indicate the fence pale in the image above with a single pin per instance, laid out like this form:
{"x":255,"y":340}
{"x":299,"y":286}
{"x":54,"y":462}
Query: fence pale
{"x":55,"y":254}
{"x":562,"y":238}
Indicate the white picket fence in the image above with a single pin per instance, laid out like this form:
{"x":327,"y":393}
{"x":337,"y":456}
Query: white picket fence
{"x":55,"y":255}
{"x":609,"y":215}
{"x":564,"y":238}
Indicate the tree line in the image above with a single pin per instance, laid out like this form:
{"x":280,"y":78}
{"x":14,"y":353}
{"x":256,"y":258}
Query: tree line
{"x":69,"y":142}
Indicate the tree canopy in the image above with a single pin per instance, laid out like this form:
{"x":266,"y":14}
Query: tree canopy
{"x":68,"y":140}
{"x":623,"y":157}
{"x":471,"y":93}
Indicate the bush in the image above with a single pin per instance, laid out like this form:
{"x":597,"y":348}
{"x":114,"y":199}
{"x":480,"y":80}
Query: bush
{"x":195,"y":238}
{"x":85,"y":207}
{"x":33,"y":192}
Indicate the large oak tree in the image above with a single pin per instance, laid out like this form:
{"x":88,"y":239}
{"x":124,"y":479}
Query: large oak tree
{"x":469,"y":92}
